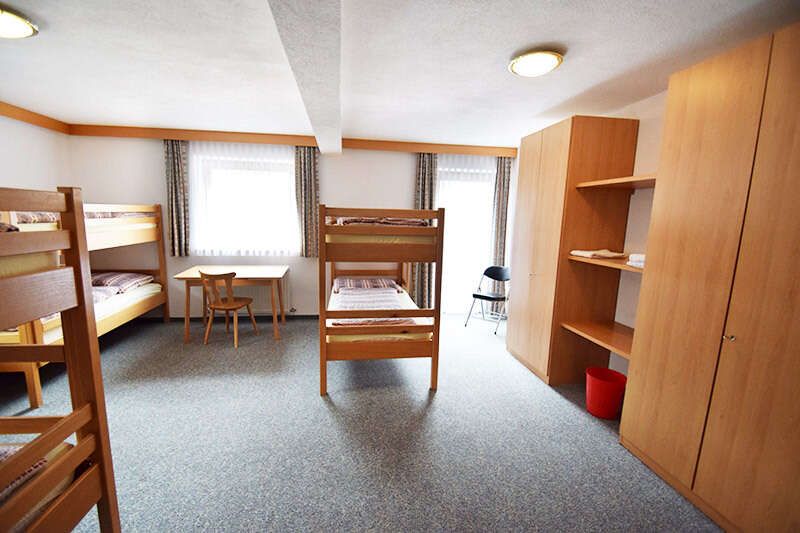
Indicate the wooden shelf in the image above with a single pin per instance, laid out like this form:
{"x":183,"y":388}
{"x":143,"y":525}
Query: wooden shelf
{"x":619,"y":264}
{"x":610,"y":335}
{"x":629,"y":182}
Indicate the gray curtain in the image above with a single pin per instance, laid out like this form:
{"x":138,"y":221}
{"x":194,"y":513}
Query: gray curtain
{"x":306,"y":179}
{"x":421,"y":283}
{"x":177,"y":173}
{"x":502,"y":184}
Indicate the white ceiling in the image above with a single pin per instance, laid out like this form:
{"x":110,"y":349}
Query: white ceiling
{"x":410,"y":70}
{"x":210,"y":64}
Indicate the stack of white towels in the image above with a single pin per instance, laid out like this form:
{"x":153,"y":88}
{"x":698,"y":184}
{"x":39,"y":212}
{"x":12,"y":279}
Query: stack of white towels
{"x":636,"y":260}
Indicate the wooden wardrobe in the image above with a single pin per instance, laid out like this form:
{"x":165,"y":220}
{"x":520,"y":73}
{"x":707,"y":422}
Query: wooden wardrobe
{"x":713,"y":397}
{"x":554,"y":216}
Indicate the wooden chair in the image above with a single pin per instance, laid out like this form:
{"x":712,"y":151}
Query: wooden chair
{"x":228,"y":304}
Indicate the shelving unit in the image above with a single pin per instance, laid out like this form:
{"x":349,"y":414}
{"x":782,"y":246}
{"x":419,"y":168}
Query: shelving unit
{"x":608,"y":202}
{"x":628,"y":182}
{"x":619,"y":264}
{"x":610,"y":335}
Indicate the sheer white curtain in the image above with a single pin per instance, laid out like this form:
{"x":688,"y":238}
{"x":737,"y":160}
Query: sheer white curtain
{"x":466,"y":191}
{"x":242,"y":200}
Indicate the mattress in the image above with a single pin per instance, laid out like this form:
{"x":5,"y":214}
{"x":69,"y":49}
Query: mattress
{"x":113,"y":305}
{"x":6,"y":450}
{"x":349,"y":299}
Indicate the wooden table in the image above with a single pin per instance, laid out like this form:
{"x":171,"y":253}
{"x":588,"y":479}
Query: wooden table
{"x":268,"y":275}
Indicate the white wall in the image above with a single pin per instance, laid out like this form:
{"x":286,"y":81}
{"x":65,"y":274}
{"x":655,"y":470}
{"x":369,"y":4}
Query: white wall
{"x":132,"y":171}
{"x":650,"y":113}
{"x":111,"y":170}
{"x":32,"y":157}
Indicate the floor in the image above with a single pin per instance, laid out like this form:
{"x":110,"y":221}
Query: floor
{"x":212,"y":438}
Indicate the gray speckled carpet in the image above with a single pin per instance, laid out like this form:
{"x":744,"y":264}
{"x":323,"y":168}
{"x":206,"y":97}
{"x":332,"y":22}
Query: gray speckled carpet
{"x":212,"y":438}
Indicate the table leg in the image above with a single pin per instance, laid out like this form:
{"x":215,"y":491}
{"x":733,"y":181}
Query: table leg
{"x":280,"y":301}
{"x":188,"y":289}
{"x":273,"y":289}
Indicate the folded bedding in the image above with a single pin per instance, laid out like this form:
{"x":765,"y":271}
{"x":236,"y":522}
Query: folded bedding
{"x":35,"y":217}
{"x":115,"y":214}
{"x":636,"y":260}
{"x":387,"y":221}
{"x":357,"y":299}
{"x":364,"y":283}
{"x":375,"y":298}
{"x":6,"y":451}
{"x":46,"y":217}
{"x":101,"y":294}
{"x":597,"y":254}
{"x":122,"y":281}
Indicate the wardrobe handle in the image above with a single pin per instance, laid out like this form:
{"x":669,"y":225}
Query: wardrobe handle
{"x":730,"y":338}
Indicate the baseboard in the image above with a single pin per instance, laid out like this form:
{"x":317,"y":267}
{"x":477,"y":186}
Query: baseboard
{"x":682,"y":489}
{"x":156,"y":318}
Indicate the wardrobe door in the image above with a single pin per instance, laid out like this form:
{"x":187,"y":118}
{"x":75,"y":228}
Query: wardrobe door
{"x":749,"y":467}
{"x":710,"y":131}
{"x":519,"y":304}
{"x":548,"y":211}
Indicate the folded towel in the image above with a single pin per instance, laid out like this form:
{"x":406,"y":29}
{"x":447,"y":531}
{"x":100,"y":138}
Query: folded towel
{"x":637,"y":258}
{"x":604,"y":254}
{"x":637,"y":264}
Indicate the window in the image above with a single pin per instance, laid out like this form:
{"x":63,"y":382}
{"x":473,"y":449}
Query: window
{"x":242,"y":200}
{"x":466,"y":191}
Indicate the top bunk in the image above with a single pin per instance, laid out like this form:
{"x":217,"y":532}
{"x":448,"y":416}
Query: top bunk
{"x":107,"y":225}
{"x":380,"y":235}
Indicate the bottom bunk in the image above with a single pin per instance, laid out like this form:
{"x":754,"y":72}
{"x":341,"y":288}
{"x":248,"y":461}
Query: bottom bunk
{"x":48,"y":484}
{"x":111,"y":311}
{"x":372,"y":337}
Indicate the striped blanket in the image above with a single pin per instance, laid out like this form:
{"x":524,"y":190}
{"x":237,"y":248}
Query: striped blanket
{"x":356,"y":299}
{"x":6,"y":451}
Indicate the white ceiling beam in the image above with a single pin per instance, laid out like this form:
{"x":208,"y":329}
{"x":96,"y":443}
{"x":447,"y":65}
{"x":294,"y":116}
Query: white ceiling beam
{"x":311,"y":33}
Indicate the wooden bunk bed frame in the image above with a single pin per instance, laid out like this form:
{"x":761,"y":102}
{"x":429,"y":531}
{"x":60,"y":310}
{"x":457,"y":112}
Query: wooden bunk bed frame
{"x":360,"y":250}
{"x":26,"y":296}
{"x":101,"y":234}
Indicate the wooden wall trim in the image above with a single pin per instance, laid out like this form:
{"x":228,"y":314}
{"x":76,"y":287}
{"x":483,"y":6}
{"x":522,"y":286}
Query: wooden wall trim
{"x":190,"y":135}
{"x":96,"y":130}
{"x":24,"y":115}
{"x":407,"y":146}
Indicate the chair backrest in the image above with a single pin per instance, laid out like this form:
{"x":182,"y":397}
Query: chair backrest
{"x":498,"y":273}
{"x":211,"y":286}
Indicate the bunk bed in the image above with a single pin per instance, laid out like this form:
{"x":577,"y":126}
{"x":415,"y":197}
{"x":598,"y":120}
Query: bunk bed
{"x":370,"y":315}
{"x":107,"y":226}
{"x":48,"y":483}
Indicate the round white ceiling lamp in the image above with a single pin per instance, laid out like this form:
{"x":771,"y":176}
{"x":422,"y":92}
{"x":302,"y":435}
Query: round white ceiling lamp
{"x":535,"y":63}
{"x":15,"y":26}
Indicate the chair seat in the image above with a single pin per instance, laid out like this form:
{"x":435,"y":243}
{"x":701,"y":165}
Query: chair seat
{"x":489,"y":296}
{"x":225,"y":305}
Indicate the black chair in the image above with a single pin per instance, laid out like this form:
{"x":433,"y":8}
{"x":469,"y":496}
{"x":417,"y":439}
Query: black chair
{"x":495,"y":273}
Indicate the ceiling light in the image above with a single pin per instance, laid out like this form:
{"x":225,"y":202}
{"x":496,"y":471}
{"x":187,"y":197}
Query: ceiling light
{"x":15,"y":26}
{"x":532,"y":64}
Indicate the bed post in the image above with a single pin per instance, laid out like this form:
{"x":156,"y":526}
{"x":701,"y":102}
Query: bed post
{"x":82,"y":357}
{"x":162,"y":260}
{"x":323,"y":305}
{"x":437,"y":295}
